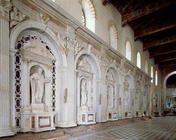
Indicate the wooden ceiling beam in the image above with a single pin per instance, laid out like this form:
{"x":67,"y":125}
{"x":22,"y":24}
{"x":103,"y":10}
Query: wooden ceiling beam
{"x":160,"y":42}
{"x":146,"y":10}
{"x":160,"y":53}
{"x":105,"y":2}
{"x":150,"y":29}
{"x":165,"y":58}
{"x":167,"y":65}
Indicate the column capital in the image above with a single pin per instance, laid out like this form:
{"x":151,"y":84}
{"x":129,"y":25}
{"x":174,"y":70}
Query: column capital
{"x":5,"y":6}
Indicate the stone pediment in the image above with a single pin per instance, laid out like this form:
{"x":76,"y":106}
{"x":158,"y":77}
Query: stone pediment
{"x":35,"y":50}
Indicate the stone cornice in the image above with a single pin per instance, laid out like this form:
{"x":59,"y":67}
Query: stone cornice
{"x":60,"y":16}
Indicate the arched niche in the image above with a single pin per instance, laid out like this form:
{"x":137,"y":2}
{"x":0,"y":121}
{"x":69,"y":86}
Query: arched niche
{"x":87,"y":88}
{"x":146,"y":100}
{"x":169,"y":95}
{"x":139,"y":97}
{"x":35,"y":76}
{"x":113,"y":36}
{"x":88,"y":13}
{"x":146,"y":66}
{"x":112,"y":91}
{"x":128,"y":96}
{"x":138,"y":60}
{"x":128,"y":50}
{"x":20,"y":38}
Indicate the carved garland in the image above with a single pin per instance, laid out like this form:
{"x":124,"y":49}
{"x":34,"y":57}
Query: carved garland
{"x":18,"y":99}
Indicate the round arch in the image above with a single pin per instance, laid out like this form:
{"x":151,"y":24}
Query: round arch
{"x":112,"y":66}
{"x":39,"y":27}
{"x":93,"y":57}
{"x":113,"y":36}
{"x":128,"y":49}
{"x":89,"y":13}
{"x":25,"y":28}
{"x":164,"y":86}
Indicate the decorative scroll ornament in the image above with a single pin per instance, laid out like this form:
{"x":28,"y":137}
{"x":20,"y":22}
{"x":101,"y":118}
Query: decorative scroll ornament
{"x":68,"y":44}
{"x":16,"y":17}
{"x":44,"y":18}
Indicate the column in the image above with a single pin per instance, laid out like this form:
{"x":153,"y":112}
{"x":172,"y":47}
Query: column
{"x":5,"y":117}
{"x":67,"y":111}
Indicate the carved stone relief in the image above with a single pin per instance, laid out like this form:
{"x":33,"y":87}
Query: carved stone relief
{"x":16,"y":17}
{"x":31,"y":50}
{"x":5,"y":7}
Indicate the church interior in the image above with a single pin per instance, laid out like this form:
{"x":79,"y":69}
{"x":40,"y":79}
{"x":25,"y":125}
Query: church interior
{"x":87,"y":69}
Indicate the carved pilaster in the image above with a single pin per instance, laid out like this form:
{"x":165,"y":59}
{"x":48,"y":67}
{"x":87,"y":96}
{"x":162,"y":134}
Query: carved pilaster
{"x":5,"y":120}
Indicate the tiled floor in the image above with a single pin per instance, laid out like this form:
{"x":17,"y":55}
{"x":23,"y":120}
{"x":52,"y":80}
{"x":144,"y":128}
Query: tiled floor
{"x":163,"y":128}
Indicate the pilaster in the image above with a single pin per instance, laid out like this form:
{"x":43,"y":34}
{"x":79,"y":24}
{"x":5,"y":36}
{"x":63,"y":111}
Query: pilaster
{"x":5,"y":119}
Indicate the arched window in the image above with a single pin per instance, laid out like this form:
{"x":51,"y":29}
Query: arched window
{"x":138,"y":60}
{"x":151,"y":74}
{"x":146,"y":66}
{"x":88,"y":14}
{"x":83,"y":18}
{"x":156,"y":78}
{"x":113,"y":37}
{"x":128,"y":50}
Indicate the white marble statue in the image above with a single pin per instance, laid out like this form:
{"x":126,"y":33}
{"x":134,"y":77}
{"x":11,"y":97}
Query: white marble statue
{"x":126,"y":94}
{"x":126,"y":89}
{"x":37,"y":82}
{"x":110,"y":94}
{"x":84,"y":93}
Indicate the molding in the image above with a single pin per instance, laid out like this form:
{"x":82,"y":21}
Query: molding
{"x":6,"y":132}
{"x":66,"y":124}
{"x":61,"y":16}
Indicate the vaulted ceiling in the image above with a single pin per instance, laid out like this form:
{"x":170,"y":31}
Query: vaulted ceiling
{"x":154,"y":23}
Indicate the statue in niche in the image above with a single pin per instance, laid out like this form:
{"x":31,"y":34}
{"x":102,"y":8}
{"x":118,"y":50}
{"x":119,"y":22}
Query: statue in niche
{"x":110,"y":93}
{"x":84,"y":93}
{"x":126,"y":94}
{"x":126,"y":89}
{"x":109,"y":76}
{"x":37,"y":83}
{"x":84,"y":65}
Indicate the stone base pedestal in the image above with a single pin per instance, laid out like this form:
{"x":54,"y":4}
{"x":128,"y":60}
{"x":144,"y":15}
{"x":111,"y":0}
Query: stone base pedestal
{"x":87,"y":118}
{"x":32,"y":122}
{"x":6,"y":132}
{"x":128,"y":115}
{"x":112,"y":116}
{"x":140,"y":114}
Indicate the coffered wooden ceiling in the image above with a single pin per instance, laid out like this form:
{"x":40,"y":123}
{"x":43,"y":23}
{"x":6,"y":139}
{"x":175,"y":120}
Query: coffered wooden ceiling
{"x":154,"y":23}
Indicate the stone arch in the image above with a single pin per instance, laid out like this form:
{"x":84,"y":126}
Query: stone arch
{"x":113,"y":36}
{"x":88,"y":10}
{"x":146,"y":66}
{"x":128,"y":50}
{"x":87,"y":70}
{"x":112,"y":81}
{"x":164,"y":87}
{"x":138,"y":60}
{"x":93,"y":58}
{"x":128,"y":95}
{"x":42,"y":31}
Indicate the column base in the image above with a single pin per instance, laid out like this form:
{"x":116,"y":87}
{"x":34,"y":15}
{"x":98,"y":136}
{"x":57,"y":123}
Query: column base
{"x":6,"y":132}
{"x":66,"y":124}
